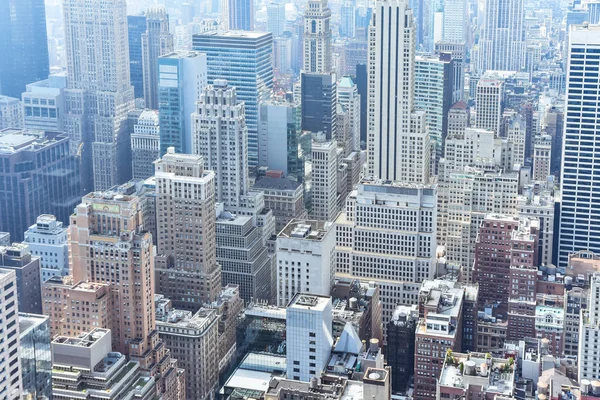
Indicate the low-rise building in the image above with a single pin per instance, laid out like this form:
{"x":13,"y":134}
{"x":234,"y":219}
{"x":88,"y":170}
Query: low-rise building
{"x":400,"y":349}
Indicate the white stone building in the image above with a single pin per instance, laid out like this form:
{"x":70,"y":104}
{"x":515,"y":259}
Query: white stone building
{"x":47,"y":239}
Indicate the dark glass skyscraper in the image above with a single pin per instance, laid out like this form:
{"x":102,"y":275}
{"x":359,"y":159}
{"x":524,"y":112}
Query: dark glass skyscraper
{"x":37,"y":176}
{"x":23,"y":45}
{"x":137,"y":26}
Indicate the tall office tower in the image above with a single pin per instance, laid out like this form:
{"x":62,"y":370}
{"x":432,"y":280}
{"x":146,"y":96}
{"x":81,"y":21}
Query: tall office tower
{"x":279,"y":134}
{"x":457,"y":54}
{"x":86,"y":364}
{"x":308,"y":327}
{"x":398,"y":144}
{"x":378,"y":216}
{"x":503,"y":44}
{"x":237,"y":15}
{"x":156,"y":41}
{"x":433,"y":94}
{"x":136,"y":27}
{"x":317,"y":37}
{"x":225,"y":52}
{"x":579,"y":228}
{"x":589,"y":331}
{"x":554,"y":120}
{"x":594,"y":12}
{"x":319,"y":103}
{"x":348,"y":19}
{"x":324,"y":180}
{"x":192,"y":339}
{"x":43,"y":103}
{"x":348,"y":97}
{"x":145,"y":144}
{"x":11,"y":384}
{"x":18,"y":258}
{"x":400,"y":348}
{"x":24,"y":45}
{"x":11,"y":113}
{"x":541,"y":206}
{"x":35,"y":356}
{"x":47,"y":239}
{"x":182,"y":76}
{"x":99,"y":93}
{"x":305,"y":259}
{"x":243,"y":257}
{"x":108,"y":225}
{"x":186,"y":268}
{"x":542,"y":158}
{"x":456,"y":21}
{"x":220,"y":137}
{"x":516,"y":134}
{"x":48,"y":185}
{"x":488,"y":103}
{"x":276,"y":18}
{"x":282,"y":54}
{"x":459,"y":119}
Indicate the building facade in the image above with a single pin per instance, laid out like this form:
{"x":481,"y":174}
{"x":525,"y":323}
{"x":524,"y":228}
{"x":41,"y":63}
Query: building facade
{"x":100,"y":131}
{"x":156,"y":41}
{"x":11,"y":386}
{"x":182,"y":76}
{"x":47,"y":239}
{"x":51,"y":181}
{"x":43,"y":103}
{"x":145,"y":144}
{"x":225,"y":52}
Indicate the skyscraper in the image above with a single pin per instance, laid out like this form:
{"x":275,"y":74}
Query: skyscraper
{"x":589,"y":333}
{"x":46,"y":186}
{"x":348,"y":19}
{"x":348,"y":97}
{"x":181,"y":78}
{"x":317,"y":37}
{"x":145,"y":144}
{"x":309,"y":335}
{"x":24,"y":45}
{"x":220,"y":137}
{"x":11,"y":383}
{"x":99,"y":93}
{"x":398,"y":145}
{"x":245,"y":60}
{"x":186,"y":268}
{"x":136,"y":27}
{"x":579,"y":221}
{"x":503,"y":45}
{"x":106,"y":227}
{"x":488,"y":103}
{"x":156,"y":41}
{"x":456,"y":21}
{"x":276,"y":18}
{"x":237,"y":15}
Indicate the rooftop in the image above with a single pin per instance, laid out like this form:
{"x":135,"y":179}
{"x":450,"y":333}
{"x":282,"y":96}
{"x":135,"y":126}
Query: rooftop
{"x":309,"y":302}
{"x":276,"y":183}
{"x":305,"y":229}
{"x":491,"y":375}
{"x":84,"y":340}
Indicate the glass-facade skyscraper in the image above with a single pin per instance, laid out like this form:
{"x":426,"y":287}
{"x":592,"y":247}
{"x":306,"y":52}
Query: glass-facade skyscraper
{"x":580,"y":180}
{"x":35,"y":355}
{"x":136,"y":25}
{"x":245,"y":60}
{"x":23,"y":45}
{"x":37,"y":176}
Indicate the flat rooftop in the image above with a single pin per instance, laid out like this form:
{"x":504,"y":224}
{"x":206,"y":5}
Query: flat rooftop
{"x":85,"y":340}
{"x":309,"y":302}
{"x":305,"y":229}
